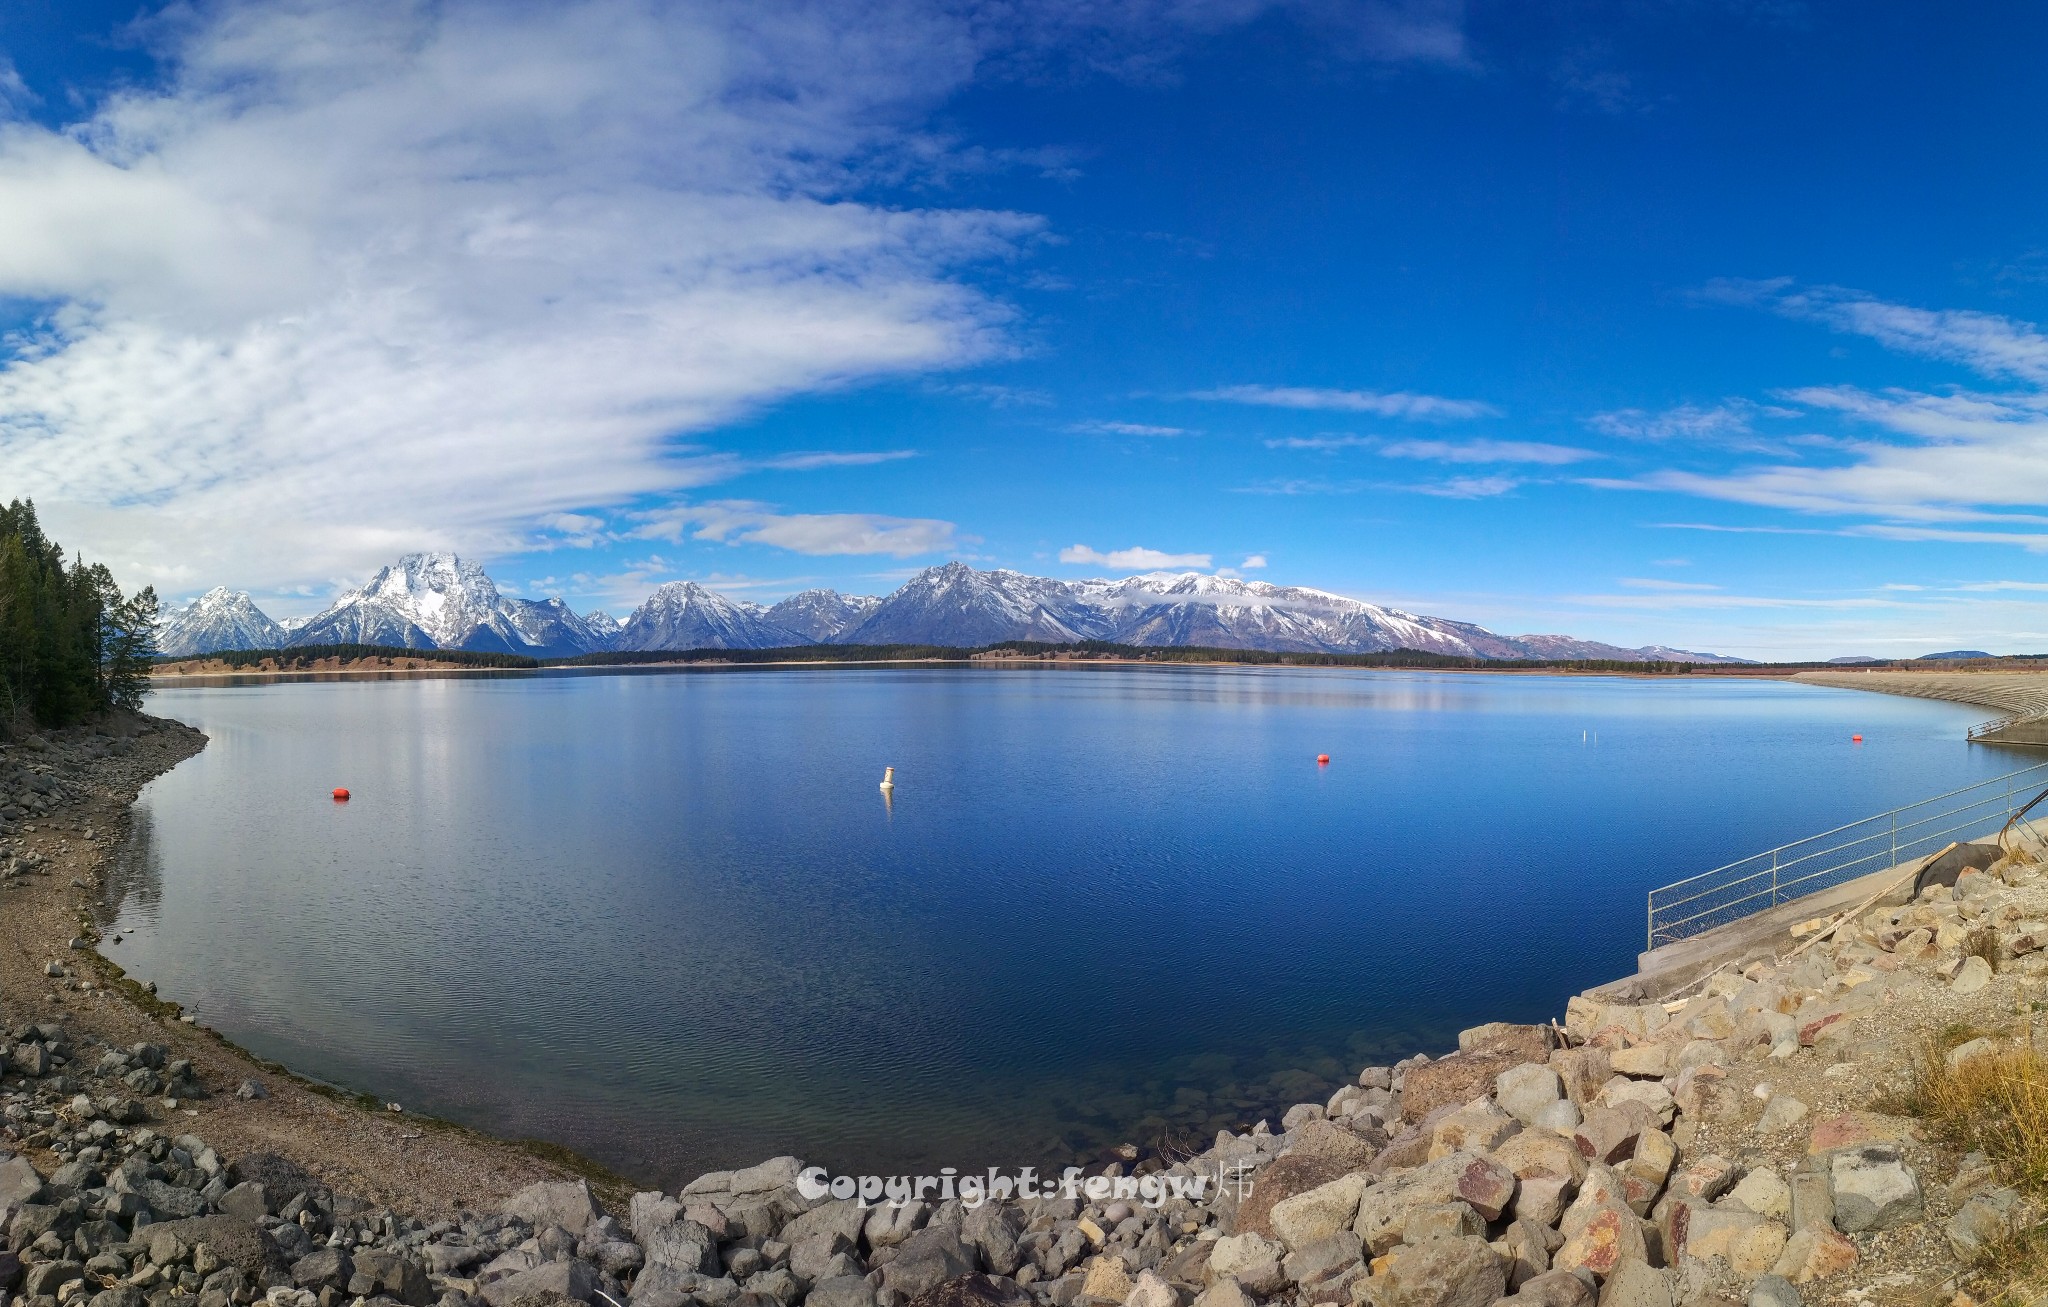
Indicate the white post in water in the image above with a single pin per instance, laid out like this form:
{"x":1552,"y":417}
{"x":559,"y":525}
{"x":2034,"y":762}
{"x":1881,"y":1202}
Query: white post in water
{"x":888,"y":778}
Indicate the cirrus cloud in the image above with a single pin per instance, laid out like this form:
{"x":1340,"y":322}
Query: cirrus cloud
{"x":1396,"y":404}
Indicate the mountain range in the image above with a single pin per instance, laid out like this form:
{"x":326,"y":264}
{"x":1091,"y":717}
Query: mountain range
{"x":440,"y":601}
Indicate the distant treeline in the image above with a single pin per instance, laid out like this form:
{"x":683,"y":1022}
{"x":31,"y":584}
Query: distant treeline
{"x":806,"y":653}
{"x":387,"y":655}
{"x":304,"y":656}
{"x":71,"y":644}
{"x":1085,"y":650}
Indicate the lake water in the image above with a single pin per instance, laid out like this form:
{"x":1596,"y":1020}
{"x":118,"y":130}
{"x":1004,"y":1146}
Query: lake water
{"x":667,"y":919}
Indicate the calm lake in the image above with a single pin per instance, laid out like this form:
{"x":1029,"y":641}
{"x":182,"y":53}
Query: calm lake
{"x":667,"y":919}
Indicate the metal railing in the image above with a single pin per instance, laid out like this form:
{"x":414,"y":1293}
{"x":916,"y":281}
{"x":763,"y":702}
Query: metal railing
{"x":1764,"y":880}
{"x":1982,"y":729}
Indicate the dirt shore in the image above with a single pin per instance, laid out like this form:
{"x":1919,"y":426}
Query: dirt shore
{"x":413,"y":1165}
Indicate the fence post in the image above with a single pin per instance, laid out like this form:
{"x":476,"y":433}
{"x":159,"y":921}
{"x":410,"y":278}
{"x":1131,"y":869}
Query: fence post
{"x":1774,"y":878}
{"x":1895,"y":837}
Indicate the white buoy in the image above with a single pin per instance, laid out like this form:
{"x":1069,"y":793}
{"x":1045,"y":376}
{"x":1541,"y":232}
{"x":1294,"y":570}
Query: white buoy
{"x":888,"y":778}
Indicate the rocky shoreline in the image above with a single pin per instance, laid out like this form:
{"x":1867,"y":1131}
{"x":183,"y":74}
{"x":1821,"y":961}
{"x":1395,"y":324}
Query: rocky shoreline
{"x":1717,"y":1146}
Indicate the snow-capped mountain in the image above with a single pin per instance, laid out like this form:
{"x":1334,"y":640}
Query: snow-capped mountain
{"x":957,"y":605}
{"x":219,"y":619}
{"x":440,"y":601}
{"x":550,"y":625}
{"x":822,"y":615}
{"x":684,"y":615}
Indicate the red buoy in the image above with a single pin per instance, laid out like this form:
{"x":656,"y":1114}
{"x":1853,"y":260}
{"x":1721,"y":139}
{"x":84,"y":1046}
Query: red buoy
{"x":1322,"y":760}
{"x":1855,"y":739}
{"x":341,"y":795}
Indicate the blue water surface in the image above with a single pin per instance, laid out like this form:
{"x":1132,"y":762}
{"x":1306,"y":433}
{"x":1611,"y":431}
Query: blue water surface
{"x":667,"y":918}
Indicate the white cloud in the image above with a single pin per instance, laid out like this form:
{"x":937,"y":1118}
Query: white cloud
{"x":1466,"y":487}
{"x":1731,"y":422}
{"x":355,"y":280}
{"x":1658,"y":583}
{"x":1126,"y":429}
{"x":1973,"y":458}
{"x":1398,"y":404}
{"x":809,"y":462}
{"x":741,"y":522}
{"x":1253,"y":562}
{"x":1323,"y":444}
{"x":1987,"y":343}
{"x":1487,"y":451}
{"x":1134,"y":559}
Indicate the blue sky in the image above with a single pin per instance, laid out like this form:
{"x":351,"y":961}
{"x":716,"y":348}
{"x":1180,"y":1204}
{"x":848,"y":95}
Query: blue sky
{"x":1708,"y":324}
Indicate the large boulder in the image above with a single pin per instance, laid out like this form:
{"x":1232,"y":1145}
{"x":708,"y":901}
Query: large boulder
{"x":285,"y":1180}
{"x":567,"y":1279}
{"x":926,"y":1260}
{"x":1531,"y":1043}
{"x":1321,"y":1212}
{"x":1250,"y":1260}
{"x":390,"y":1275}
{"x":19,"y":1183}
{"x":236,"y":1242}
{"x":1282,"y":1179}
{"x":566,"y":1203}
{"x":1874,"y":1189}
{"x":1462,"y":1272}
{"x":1452,"y":1081}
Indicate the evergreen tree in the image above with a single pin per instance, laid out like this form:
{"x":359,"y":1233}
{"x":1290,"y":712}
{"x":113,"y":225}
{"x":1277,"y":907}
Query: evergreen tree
{"x":71,"y":644}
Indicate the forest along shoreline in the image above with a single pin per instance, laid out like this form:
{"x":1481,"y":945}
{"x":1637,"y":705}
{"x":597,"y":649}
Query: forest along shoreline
{"x":1783,"y":1132}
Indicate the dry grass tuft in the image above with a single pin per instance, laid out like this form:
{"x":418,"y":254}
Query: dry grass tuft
{"x":1983,"y":942}
{"x":1996,"y":1104}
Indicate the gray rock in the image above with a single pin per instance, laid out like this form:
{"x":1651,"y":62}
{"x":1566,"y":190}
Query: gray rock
{"x":841,"y":1291}
{"x":993,"y":1230}
{"x":684,"y":1246}
{"x":391,"y":1274}
{"x":812,"y":1258}
{"x":665,"y":1286}
{"x":1525,"y":1092}
{"x":248,"y":1201}
{"x":1636,"y":1284}
{"x":1873,"y":1189}
{"x":1555,"y":1289}
{"x":926,"y":1260}
{"x":1442,"y":1273}
{"x":566,"y":1203}
{"x":19,"y":1183}
{"x":570,"y":1279}
{"x":1773,"y":1291}
{"x":1985,"y":1219}
{"x":47,"y":1278}
{"x":889,"y":1225}
{"x":649,"y":1212}
{"x":776,"y":1283}
{"x":771,"y":1175}
{"x":618,"y":1258}
{"x":843,"y":1217}
{"x":169,"y":1202}
{"x":251,"y":1090}
{"x":1975,"y":975}
{"x":1326,"y":1261}
{"x":323,"y":1268}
